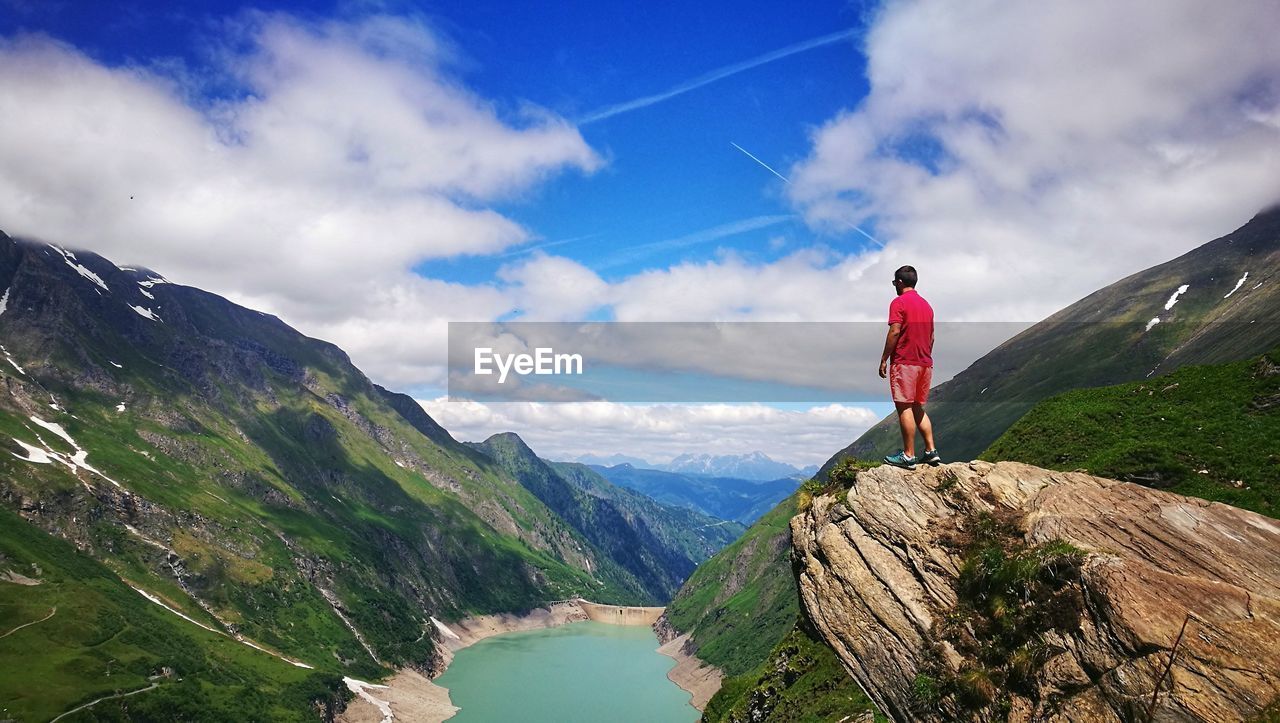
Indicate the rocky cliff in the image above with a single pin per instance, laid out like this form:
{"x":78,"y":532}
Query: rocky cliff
{"x":1005,"y":591}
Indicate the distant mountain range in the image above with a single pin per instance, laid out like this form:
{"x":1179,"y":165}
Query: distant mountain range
{"x":646,"y":545}
{"x":729,"y":498}
{"x":601,"y":460}
{"x":750,"y":466}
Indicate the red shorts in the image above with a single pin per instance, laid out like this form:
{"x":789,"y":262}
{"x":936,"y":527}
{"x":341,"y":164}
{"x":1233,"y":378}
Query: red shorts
{"x":909,"y":384}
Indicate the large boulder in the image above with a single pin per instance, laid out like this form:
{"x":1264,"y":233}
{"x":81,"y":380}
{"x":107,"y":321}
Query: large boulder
{"x":1005,"y":591}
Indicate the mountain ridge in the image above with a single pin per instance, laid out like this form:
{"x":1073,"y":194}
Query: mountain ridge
{"x":251,"y":480}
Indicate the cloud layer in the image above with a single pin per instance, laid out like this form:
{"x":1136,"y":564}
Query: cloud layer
{"x":659,"y":432}
{"x":1024,"y":154}
{"x":346,"y":154}
{"x":1020,"y":155}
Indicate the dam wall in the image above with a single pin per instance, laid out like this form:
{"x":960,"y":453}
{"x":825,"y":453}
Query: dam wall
{"x":620,"y":614}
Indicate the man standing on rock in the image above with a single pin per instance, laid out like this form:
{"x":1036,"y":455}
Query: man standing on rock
{"x":908,"y":363}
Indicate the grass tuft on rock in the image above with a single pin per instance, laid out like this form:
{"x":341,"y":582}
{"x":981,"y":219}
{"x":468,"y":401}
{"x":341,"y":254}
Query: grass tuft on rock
{"x":1012,"y":600}
{"x":839,"y":481}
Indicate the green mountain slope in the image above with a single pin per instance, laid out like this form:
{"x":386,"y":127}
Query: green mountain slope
{"x":1104,"y":339}
{"x":740,"y":603}
{"x":692,"y":535}
{"x":1207,"y":431}
{"x":802,"y":680}
{"x":641,"y":548}
{"x":72,"y":632}
{"x":252,"y":476}
{"x":742,"y":611}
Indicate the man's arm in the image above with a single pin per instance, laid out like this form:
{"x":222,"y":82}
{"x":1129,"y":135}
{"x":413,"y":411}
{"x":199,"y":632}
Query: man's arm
{"x":890,"y":341}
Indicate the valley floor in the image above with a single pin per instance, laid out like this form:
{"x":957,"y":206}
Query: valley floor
{"x":411,"y":696}
{"x":693,"y":676}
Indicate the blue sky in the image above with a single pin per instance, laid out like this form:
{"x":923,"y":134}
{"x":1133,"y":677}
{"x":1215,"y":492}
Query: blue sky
{"x":371,"y":171}
{"x":672,"y":175}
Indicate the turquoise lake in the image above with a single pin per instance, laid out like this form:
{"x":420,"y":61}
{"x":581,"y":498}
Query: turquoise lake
{"x":579,"y":672}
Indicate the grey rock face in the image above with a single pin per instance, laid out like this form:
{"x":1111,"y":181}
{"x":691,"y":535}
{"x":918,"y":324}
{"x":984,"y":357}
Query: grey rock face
{"x":878,"y":572}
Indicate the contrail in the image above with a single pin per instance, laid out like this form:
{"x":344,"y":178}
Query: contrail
{"x":724,"y":230}
{"x":757,"y":160}
{"x":713,"y":76}
{"x":545,"y":245}
{"x":787,"y":181}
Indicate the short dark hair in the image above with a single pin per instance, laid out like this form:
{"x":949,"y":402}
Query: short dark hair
{"x":906,"y":276}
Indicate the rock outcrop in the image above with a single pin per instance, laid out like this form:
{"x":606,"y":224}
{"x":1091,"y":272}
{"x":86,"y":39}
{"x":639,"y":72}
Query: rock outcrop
{"x":1135,"y":604}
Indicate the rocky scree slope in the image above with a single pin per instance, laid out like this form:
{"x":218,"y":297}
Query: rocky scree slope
{"x":1005,"y":591}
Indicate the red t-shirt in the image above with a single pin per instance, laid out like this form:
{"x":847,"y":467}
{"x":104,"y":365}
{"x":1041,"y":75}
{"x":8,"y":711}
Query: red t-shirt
{"x":915,"y":345}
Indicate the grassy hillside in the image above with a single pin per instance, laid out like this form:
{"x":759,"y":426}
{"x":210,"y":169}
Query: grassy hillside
{"x":693,"y":536}
{"x":802,"y":680}
{"x":643,"y":548}
{"x":75,"y":632}
{"x":254,"y":478}
{"x":1206,"y":431}
{"x":1108,"y":338}
{"x":742,"y":601}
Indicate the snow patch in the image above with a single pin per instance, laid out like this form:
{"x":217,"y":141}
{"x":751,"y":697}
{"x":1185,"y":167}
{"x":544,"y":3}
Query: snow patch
{"x":74,"y":461}
{"x":1152,"y":323}
{"x":444,"y":630}
{"x":361,"y":688}
{"x":56,"y":429}
{"x":117,"y":366}
{"x":147,"y":294}
{"x":120,"y":407}
{"x":71,"y":261}
{"x":1174,"y":299}
{"x":255,"y":646}
{"x":238,"y":638}
{"x":11,"y":361}
{"x":4,"y":300}
{"x":145,"y":313}
{"x":34,"y":454}
{"x":148,"y":540}
{"x":152,"y":281}
{"x":161,"y":603}
{"x":1237,"y":286}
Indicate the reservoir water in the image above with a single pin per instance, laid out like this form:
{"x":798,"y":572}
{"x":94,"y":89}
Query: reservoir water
{"x":579,"y":672}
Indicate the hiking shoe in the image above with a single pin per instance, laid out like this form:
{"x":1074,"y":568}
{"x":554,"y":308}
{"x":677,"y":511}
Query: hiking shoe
{"x":931,"y":458}
{"x":901,"y":460}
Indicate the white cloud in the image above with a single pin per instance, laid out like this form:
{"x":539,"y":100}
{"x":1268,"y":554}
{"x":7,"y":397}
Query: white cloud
{"x":553,"y":288}
{"x":349,"y":155}
{"x":1072,"y":143}
{"x":659,"y":432}
{"x":1068,"y":144}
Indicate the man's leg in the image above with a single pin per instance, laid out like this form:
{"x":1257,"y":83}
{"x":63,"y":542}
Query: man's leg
{"x":922,"y":423}
{"x":907,"y":421}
